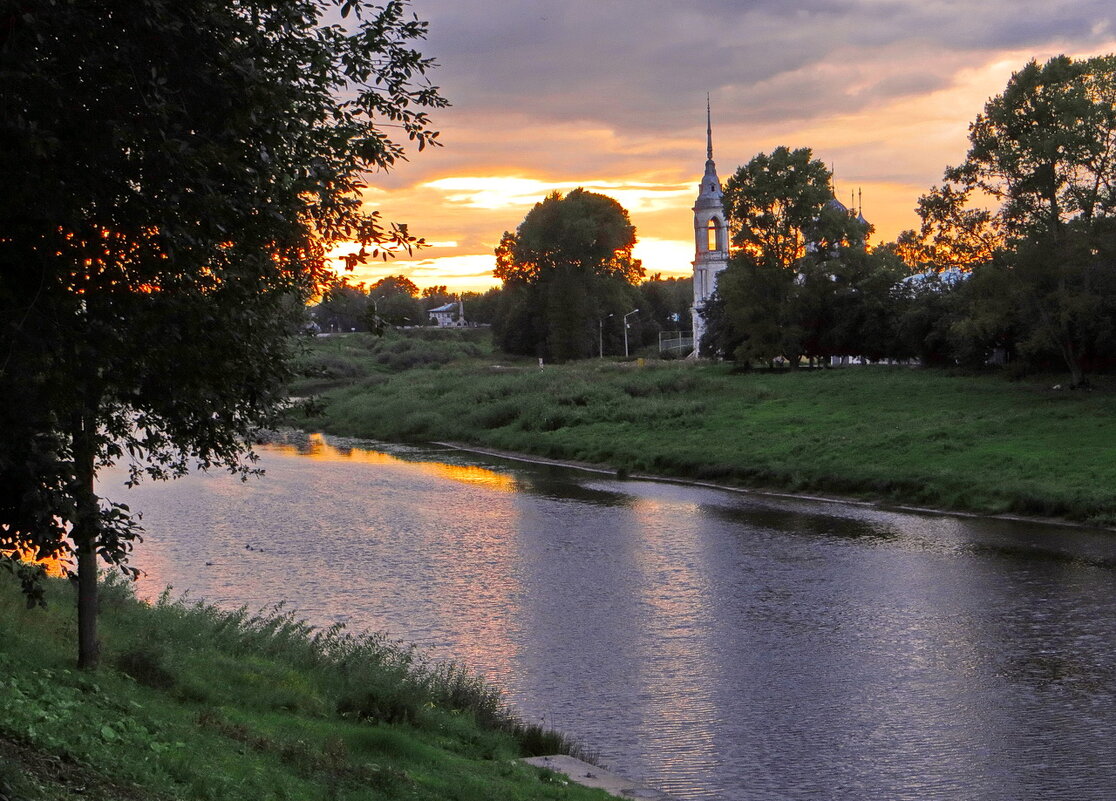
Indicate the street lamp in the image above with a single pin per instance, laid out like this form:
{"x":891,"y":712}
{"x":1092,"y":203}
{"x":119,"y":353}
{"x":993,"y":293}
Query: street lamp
{"x":626,"y":316}
{"x":600,"y":336}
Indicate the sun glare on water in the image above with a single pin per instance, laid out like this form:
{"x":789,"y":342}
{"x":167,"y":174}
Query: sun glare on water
{"x":320,"y":450}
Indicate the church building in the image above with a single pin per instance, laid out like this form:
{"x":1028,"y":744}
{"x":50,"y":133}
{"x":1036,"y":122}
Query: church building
{"x":710,"y":235}
{"x":711,"y":246}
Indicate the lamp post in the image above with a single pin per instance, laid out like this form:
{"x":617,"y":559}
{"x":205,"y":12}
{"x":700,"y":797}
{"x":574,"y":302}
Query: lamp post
{"x":600,"y":336}
{"x":626,"y":316}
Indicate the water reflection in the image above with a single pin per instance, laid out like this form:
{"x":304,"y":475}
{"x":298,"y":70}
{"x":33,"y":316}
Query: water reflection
{"x":720,"y":645}
{"x":676,"y":654}
{"x":318,"y":449}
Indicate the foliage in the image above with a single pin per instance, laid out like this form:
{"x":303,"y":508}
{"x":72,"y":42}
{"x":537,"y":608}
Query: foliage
{"x":344,"y":306}
{"x":664,"y":305}
{"x":231,"y":705}
{"x":953,"y":236}
{"x":481,"y":307}
{"x":1043,"y":150}
{"x":927,"y":305}
{"x":394,"y":285}
{"x":779,"y":208}
{"x":748,"y":318}
{"x":567,"y":267}
{"x":174,"y":175}
{"x":395,"y":301}
{"x":435,"y":296}
{"x":800,"y":283}
{"x":583,"y":232}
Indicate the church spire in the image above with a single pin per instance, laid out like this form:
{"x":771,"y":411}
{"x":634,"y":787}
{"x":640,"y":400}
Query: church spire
{"x":710,"y":232}
{"x":708,"y":129}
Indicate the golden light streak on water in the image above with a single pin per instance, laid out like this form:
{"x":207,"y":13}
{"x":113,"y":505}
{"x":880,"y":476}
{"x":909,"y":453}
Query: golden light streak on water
{"x":322,"y":451}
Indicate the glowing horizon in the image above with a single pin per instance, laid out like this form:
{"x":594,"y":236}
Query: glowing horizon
{"x":886,"y":99}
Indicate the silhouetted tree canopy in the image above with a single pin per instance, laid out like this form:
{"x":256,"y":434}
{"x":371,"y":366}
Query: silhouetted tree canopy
{"x":565,"y":269}
{"x":800,"y":281}
{"x":174,"y":174}
{"x":343,"y":306}
{"x":1043,"y":151}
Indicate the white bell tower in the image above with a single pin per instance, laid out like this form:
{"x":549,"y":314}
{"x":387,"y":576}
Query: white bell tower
{"x":710,"y":234}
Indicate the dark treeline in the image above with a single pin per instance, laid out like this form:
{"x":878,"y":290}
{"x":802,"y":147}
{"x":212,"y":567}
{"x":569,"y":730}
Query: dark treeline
{"x":1029,"y":281}
{"x":395,"y":300}
{"x":1026,"y":280}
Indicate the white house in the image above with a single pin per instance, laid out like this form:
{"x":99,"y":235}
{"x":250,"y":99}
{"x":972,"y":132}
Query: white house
{"x":451,"y":315}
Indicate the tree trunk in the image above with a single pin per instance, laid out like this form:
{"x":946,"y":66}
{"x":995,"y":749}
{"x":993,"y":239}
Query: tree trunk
{"x":86,"y":525}
{"x":1073,"y":362}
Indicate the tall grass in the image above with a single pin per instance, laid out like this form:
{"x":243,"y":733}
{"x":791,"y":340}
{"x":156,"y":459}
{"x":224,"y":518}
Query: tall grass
{"x":197,"y":702}
{"x":331,"y":361}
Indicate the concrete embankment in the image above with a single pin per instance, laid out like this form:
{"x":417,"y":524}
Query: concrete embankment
{"x":598,"y":778}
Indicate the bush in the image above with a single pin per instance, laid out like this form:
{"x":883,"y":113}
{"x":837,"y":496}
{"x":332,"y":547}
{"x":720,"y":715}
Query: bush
{"x":146,"y":666}
{"x":396,"y":703}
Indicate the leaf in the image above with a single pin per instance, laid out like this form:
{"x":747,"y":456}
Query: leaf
{"x":109,"y":733}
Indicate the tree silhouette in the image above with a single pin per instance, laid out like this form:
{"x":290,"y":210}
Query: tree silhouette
{"x":175,"y":174}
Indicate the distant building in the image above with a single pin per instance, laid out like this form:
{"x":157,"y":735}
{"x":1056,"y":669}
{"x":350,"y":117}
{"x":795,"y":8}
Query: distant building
{"x":451,"y":315}
{"x":711,"y":250}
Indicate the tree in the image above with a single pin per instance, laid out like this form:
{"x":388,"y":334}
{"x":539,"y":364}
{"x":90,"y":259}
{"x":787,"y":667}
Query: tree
{"x":1044,"y":151}
{"x":567,"y":266}
{"x":395,"y":301}
{"x":953,"y":236}
{"x":748,"y":318}
{"x":667,"y":301}
{"x":395,"y":285}
{"x":480,"y":307}
{"x":774,"y":203}
{"x":344,"y":306}
{"x":439,"y":295}
{"x":174,"y":174}
{"x":796,"y":252}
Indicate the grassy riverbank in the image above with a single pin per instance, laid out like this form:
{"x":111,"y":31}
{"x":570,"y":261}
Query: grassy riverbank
{"x":972,"y":443}
{"x":193,"y":703}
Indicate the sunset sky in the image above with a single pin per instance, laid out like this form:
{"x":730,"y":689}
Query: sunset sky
{"x":610,"y":95}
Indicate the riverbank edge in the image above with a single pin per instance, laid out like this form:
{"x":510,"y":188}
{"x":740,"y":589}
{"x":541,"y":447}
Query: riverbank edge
{"x":588,"y":775}
{"x":155,"y":722}
{"x":920,"y":439}
{"x":766,"y":493}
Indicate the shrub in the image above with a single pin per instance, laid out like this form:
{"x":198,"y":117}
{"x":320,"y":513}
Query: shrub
{"x":147,"y":666}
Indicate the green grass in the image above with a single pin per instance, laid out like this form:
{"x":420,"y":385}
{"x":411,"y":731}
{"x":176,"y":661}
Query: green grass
{"x":973,"y":443}
{"x":195,"y":703}
{"x":333,"y":361}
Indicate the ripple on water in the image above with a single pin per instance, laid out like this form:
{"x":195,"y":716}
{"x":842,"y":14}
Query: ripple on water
{"x":718,"y":645}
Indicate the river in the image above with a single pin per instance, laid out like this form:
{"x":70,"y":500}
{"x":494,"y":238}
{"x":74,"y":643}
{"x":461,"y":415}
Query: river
{"x":715,"y":644}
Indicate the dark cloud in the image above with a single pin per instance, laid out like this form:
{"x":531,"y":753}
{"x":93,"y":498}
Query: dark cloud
{"x":611,"y":94}
{"x":638,"y":64}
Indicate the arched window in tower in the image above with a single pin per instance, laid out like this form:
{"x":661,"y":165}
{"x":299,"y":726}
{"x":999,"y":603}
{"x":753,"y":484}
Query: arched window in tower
{"x":712,"y":235}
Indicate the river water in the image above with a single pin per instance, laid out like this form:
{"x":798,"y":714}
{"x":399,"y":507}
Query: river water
{"x":717,"y":645}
